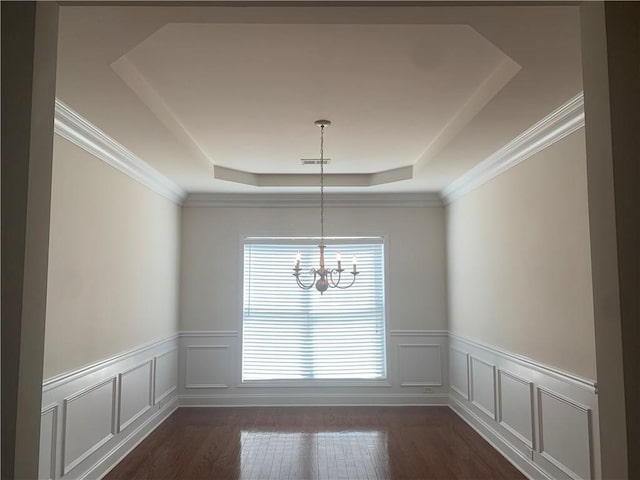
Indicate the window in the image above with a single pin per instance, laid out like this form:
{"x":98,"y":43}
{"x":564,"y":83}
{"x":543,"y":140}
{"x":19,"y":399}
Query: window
{"x":294,"y":334}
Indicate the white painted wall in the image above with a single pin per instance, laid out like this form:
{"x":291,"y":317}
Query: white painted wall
{"x":211,"y":259}
{"x":519,"y":281}
{"x":113,"y":263}
{"x":519,"y":269}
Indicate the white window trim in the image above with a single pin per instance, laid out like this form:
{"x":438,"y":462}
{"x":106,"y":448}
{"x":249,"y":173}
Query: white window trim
{"x":336,"y":383}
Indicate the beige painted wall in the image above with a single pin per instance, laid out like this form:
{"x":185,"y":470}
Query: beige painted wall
{"x":519,"y":263}
{"x":113,"y":263}
{"x":211,"y":255}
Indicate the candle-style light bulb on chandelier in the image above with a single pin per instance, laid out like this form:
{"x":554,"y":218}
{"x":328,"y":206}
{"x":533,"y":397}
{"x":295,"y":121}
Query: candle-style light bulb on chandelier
{"x":324,"y":278}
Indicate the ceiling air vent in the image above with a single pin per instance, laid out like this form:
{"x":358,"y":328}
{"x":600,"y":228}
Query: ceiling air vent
{"x":314,"y":161}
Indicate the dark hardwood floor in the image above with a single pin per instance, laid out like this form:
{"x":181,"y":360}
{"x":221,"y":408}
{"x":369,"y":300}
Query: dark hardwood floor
{"x":314,"y":443}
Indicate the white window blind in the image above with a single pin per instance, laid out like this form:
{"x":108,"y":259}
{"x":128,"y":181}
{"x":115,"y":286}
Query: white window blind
{"x":294,"y":334}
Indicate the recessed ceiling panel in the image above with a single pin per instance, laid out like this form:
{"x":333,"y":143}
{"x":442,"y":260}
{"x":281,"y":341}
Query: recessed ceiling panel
{"x":245,"y":96}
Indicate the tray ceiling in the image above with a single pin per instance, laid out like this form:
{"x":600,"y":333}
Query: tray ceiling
{"x":224,"y":99}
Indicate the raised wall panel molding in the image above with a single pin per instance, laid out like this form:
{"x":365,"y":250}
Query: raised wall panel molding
{"x":459,"y":372}
{"x":128,"y":443}
{"x":141,"y":401}
{"x":66,"y":377}
{"x":587,"y":384}
{"x":373,"y":200}
{"x":515,"y":406}
{"x":78,"y":130}
{"x":554,"y":127}
{"x":82,"y":438}
{"x":202,"y":369}
{"x":564,"y":432}
{"x":48,"y":442}
{"x":420,"y":365}
{"x":565,"y":437}
{"x":542,"y":421}
{"x":163,"y":387}
{"x":482,"y":393}
{"x":91,"y":415}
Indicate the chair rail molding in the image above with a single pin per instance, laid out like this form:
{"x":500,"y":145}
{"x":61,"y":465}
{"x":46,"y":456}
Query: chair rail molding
{"x":582,"y":382}
{"x":58,"y":380}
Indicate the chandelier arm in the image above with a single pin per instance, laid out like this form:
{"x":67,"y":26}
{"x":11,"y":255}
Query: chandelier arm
{"x":352,"y":282}
{"x":301,"y":284}
{"x":331,"y":282}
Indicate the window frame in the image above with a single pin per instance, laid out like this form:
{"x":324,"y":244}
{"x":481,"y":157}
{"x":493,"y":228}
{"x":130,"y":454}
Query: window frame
{"x":285,"y":383}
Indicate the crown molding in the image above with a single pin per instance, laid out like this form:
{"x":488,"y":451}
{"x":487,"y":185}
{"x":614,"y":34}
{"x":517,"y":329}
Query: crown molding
{"x":558,"y":124}
{"x":78,"y":130}
{"x":376,"y":200}
{"x":562,"y":122}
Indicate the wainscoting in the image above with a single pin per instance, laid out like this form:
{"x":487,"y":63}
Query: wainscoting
{"x":94,"y":416}
{"x":543,"y":420}
{"x":210,"y":375}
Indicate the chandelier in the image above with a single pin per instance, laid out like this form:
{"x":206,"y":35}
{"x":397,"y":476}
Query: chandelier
{"x":324,"y":278}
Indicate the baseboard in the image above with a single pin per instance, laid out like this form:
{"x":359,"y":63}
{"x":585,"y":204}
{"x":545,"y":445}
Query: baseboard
{"x":497,"y":441}
{"x":313,"y":400}
{"x":126,"y":446}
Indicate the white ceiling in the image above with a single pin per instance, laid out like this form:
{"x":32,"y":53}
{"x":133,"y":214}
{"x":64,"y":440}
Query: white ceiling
{"x":223,"y":99}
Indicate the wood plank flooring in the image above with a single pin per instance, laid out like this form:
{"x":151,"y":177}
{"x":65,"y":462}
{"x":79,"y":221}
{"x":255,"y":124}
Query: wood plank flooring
{"x":314,"y":443}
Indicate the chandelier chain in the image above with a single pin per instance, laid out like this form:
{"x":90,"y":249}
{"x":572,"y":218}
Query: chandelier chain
{"x":322,"y":184}
{"x":324,"y":278}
